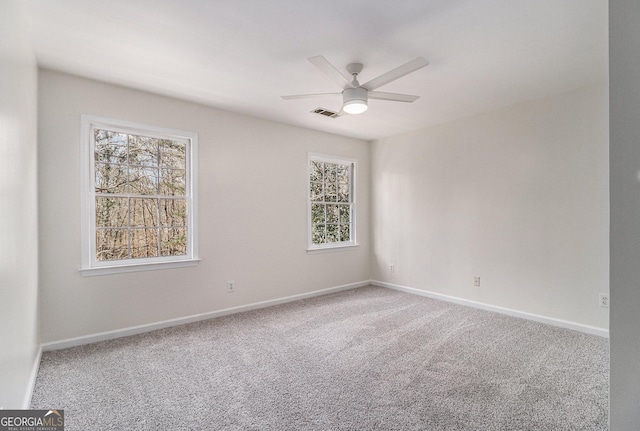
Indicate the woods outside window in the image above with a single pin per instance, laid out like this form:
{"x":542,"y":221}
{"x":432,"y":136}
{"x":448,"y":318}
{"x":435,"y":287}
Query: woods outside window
{"x":138,"y":196}
{"x":331,"y":202}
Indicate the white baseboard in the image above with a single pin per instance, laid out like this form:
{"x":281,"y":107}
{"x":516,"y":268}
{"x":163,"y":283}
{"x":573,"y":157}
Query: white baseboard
{"x":109,"y":335}
{"x":26,"y":404}
{"x":515,"y":313}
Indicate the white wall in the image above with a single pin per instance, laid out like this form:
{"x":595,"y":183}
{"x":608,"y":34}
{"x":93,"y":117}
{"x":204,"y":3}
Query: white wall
{"x":252,"y":213}
{"x":518,"y":197}
{"x":624,"y":76}
{"x":18,"y":208}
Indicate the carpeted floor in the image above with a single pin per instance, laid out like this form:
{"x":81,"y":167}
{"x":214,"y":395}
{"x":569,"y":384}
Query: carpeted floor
{"x":365,"y":359}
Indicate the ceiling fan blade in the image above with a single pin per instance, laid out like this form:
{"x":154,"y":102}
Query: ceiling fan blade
{"x":396,"y":73}
{"x":329,"y":69}
{"x":394,"y":97}
{"x":306,"y":96}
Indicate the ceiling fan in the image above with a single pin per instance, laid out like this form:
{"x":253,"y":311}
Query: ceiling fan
{"x":355,"y":96}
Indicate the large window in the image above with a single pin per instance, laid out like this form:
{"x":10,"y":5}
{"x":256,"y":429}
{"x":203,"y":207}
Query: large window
{"x":138,"y":196}
{"x":331,"y":202}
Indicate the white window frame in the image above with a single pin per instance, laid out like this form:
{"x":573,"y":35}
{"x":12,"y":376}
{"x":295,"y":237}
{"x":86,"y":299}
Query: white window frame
{"x":334,"y":246}
{"x":89,"y":264}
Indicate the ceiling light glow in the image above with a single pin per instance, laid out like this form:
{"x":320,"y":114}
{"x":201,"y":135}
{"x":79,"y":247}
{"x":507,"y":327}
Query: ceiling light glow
{"x":355,"y":107}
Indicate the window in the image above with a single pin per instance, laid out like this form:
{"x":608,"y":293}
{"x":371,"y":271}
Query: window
{"x":331,"y":202}
{"x":139,"y":209}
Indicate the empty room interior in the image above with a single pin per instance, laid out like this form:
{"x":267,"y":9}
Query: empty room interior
{"x":336,"y":215}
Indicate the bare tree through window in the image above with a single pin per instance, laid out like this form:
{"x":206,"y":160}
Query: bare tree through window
{"x":140,"y":196}
{"x":331,"y":201}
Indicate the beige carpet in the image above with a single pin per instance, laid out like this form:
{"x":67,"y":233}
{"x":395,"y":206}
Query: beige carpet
{"x":364,"y":359}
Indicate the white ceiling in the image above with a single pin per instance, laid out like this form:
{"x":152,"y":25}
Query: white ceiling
{"x":242,"y":55}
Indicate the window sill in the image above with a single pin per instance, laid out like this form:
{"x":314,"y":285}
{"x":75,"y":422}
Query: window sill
{"x":119,"y":269}
{"x":332,"y":248}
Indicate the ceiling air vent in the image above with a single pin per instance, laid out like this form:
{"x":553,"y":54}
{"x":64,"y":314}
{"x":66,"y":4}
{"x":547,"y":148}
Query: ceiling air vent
{"x":325,"y":112}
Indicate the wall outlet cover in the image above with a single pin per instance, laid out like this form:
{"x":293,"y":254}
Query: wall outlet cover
{"x":604,"y":300}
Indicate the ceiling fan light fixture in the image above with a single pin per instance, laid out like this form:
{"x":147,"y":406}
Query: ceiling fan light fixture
{"x":355,"y":107}
{"x":355,"y":97}
{"x":354,"y":100}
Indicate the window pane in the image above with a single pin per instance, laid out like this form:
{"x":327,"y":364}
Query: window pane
{"x":173,"y":212}
{"x":112,"y":212}
{"x":173,"y":154}
{"x":345,"y":213}
{"x":317,"y":213}
{"x":343,"y":192}
{"x":318,"y":234}
{"x":343,"y":171}
{"x":332,"y":233}
{"x":144,"y":212}
{"x":106,"y":137}
{"x":316,"y":192}
{"x":332,"y":213}
{"x":110,"y":147}
{"x":144,"y":243}
{"x":172,"y":182}
{"x":174,"y":241}
{"x":330,"y":192}
{"x":316,"y":171}
{"x":143,"y":151}
{"x":143,"y":180}
{"x":345,"y":232}
{"x":330,"y":172}
{"x":111,"y":178}
{"x":112,"y":244}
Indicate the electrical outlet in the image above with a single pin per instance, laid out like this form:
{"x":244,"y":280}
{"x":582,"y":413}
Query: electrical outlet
{"x":231,"y":286}
{"x":476,"y":281}
{"x":392,"y":268}
{"x":604,"y":300}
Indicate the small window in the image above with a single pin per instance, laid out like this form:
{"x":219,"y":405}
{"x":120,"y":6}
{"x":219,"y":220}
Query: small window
{"x":138,"y":196}
{"x":331,"y":202}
